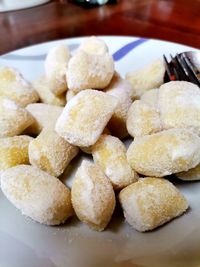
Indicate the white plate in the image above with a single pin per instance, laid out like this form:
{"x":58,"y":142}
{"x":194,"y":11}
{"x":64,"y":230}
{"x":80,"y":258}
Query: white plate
{"x":24,"y":243}
{"x":10,"y":5}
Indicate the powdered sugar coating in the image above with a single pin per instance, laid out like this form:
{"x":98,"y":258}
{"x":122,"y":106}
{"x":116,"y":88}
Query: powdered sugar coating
{"x":85,"y":117}
{"x":118,"y":82}
{"x":179,"y":105}
{"x":117,"y":123}
{"x":45,"y":116}
{"x":8,"y":104}
{"x":94,"y":45}
{"x":174,"y":105}
{"x":15,"y":87}
{"x":151,"y":97}
{"x":88,"y":149}
{"x":149,"y":77}
{"x":110,"y":154}
{"x":191,"y":175}
{"x":143,"y":119}
{"x":13,"y":119}
{"x":89,"y":71}
{"x":37,"y":194}
{"x":42,"y":86}
{"x":93,"y":197}
{"x":51,"y":153}
{"x":14,"y":151}
{"x":151,"y":202}
{"x":55,"y":68}
{"x":164,"y":153}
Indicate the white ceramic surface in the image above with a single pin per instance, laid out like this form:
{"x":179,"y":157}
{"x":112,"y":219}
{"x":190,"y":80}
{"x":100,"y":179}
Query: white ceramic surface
{"x":25,"y":243}
{"x":10,"y":5}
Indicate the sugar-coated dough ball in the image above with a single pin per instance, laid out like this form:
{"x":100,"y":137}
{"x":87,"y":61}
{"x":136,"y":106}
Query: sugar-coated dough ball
{"x":110,"y":154}
{"x":191,"y":175}
{"x":89,"y":71}
{"x":42,"y":86}
{"x":14,"y":151}
{"x":37,"y":194}
{"x":55,"y":68}
{"x":151,"y":202}
{"x":45,"y":116}
{"x":94,"y":45}
{"x":118,"y":82}
{"x":88,"y":149}
{"x":179,"y":104}
{"x":50,"y":152}
{"x":151,"y":97}
{"x":164,"y":153}
{"x":93,"y":198}
{"x":69,"y":95}
{"x":117,"y":123}
{"x":149,"y":77}
{"x":85,"y":117}
{"x":173,"y":105}
{"x":13,"y":119}
{"x":15,"y":87}
{"x":143,"y":119}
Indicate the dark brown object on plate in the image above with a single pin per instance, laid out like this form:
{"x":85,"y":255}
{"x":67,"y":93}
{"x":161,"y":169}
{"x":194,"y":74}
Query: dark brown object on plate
{"x":172,"y":20}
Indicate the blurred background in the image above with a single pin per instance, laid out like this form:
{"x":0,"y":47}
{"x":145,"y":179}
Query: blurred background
{"x":172,"y":20}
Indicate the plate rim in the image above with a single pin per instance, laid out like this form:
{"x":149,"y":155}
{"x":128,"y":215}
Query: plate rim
{"x":78,"y":38}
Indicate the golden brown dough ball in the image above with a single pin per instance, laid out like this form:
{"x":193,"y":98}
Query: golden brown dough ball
{"x":45,"y":116}
{"x":117,"y":123}
{"x":88,"y":149}
{"x":15,"y":87}
{"x":13,"y":119}
{"x":118,"y":82}
{"x":173,"y":105}
{"x":151,"y":97}
{"x":179,"y":104}
{"x":14,"y":151}
{"x":89,"y":71}
{"x":37,"y":194}
{"x":151,"y":202}
{"x":110,"y":154}
{"x":94,"y":45}
{"x":51,"y":153}
{"x":55,"y":68}
{"x":164,"y":153}
{"x":93,"y":197}
{"x":191,"y":175}
{"x":85,"y":117}
{"x":41,"y":85}
{"x":143,"y":119}
{"x":149,"y":77}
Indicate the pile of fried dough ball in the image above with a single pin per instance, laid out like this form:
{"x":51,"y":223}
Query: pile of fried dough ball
{"x":82,"y":104}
